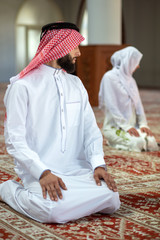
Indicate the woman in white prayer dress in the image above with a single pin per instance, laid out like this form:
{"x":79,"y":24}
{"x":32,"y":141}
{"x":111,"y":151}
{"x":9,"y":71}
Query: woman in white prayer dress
{"x":125,"y":126}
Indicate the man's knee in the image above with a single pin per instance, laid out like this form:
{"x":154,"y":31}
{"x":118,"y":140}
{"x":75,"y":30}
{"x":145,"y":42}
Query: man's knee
{"x":113,"y":204}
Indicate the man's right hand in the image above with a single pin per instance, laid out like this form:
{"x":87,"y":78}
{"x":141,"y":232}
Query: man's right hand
{"x":133,"y":132}
{"x":52,"y":184}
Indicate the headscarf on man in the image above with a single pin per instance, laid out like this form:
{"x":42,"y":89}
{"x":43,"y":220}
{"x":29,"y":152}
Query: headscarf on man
{"x":57,"y":40}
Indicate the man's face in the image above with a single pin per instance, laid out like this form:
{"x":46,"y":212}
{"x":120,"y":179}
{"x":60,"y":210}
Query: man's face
{"x":68,"y":62}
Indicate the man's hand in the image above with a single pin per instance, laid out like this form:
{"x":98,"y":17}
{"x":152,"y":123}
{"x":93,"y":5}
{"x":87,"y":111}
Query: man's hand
{"x":101,"y":174}
{"x":147,"y":131}
{"x":133,"y":132}
{"x":52,"y":184}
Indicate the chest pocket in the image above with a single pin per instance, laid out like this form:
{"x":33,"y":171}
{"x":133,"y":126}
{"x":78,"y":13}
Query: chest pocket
{"x":73,"y":113}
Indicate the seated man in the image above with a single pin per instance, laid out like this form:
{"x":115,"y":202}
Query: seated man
{"x":51,"y":131}
{"x":125,"y":125}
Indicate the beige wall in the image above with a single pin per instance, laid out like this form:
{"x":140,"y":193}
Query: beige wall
{"x":8,"y":13}
{"x":142,"y":30}
{"x":141,"y":21}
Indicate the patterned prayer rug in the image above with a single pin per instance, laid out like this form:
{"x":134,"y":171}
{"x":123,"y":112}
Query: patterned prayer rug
{"x":137,"y":176}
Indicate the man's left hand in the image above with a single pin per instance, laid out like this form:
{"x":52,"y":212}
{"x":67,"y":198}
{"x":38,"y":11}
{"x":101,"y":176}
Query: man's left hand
{"x":101,"y":174}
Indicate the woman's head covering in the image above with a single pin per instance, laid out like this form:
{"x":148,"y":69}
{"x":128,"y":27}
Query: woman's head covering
{"x":56,"y":41}
{"x":126,"y":59}
{"x":124,"y":63}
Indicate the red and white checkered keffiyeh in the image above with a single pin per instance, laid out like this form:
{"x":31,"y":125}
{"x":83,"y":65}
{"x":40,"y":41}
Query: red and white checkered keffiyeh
{"x":54,"y":45}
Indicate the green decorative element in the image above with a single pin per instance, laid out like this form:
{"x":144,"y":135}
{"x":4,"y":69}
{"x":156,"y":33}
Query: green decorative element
{"x":118,"y":132}
{"x":122,"y":134}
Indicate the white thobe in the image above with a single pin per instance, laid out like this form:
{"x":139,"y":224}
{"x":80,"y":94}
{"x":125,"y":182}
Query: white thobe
{"x":50,"y":125}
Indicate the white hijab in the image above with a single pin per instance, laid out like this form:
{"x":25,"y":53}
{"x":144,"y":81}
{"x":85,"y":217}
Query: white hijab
{"x":124,"y":63}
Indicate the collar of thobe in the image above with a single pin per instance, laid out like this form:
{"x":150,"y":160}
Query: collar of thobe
{"x":52,"y":70}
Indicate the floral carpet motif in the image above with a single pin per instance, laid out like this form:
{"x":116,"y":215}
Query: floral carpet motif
{"x":138,"y":179}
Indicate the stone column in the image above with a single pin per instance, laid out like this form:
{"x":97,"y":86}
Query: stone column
{"x":104,"y":21}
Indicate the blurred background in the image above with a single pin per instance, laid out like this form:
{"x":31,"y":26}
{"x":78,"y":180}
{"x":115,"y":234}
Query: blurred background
{"x":103,"y":23}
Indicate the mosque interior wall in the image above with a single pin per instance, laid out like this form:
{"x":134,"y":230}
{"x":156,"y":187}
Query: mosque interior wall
{"x":141,"y":29}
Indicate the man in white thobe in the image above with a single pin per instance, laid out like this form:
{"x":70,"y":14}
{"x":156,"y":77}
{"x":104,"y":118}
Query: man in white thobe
{"x":51,"y":132}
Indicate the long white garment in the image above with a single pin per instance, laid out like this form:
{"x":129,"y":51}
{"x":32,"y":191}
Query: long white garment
{"x":82,"y":198}
{"x":120,"y":99}
{"x":50,"y":125}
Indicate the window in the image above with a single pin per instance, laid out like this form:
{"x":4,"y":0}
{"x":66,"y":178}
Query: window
{"x":31,"y":17}
{"x":84,"y":27}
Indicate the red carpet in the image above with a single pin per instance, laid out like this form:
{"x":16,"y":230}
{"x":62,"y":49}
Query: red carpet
{"x":138,"y":179}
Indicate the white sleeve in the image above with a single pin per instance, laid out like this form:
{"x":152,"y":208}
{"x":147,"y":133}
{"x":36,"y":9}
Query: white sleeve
{"x":112,"y":96}
{"x":141,"y":117}
{"x":93,"y":141}
{"x":142,"y":122}
{"x":16,"y":103}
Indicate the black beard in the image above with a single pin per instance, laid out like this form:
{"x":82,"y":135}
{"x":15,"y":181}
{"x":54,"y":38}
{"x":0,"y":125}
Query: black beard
{"x":66,"y":63}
